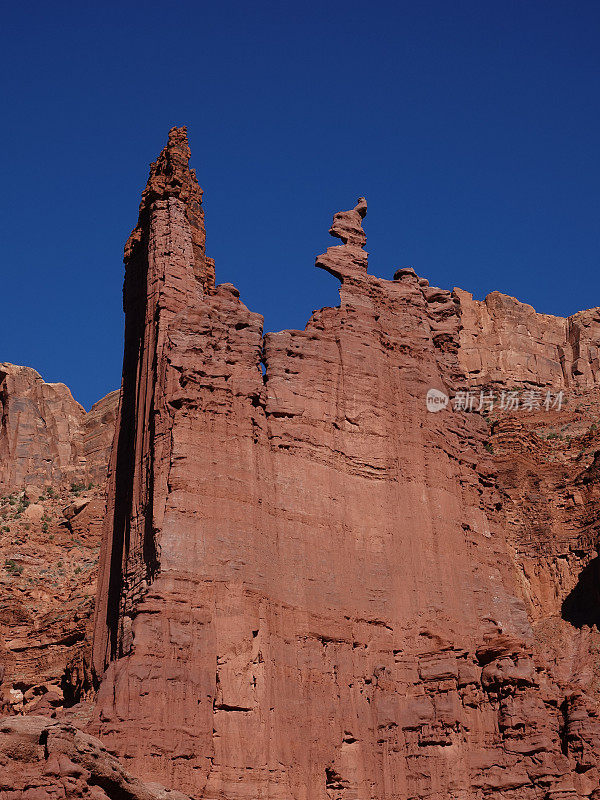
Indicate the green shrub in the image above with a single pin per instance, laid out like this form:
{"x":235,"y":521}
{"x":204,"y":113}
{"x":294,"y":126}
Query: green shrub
{"x":12,"y":567}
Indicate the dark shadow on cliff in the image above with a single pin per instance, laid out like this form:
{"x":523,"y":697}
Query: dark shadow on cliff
{"x":582,"y":605}
{"x":128,"y":451}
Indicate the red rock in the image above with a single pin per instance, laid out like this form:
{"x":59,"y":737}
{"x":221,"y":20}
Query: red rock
{"x":295,"y":563}
{"x":506,"y":342}
{"x":49,"y":450}
{"x":46,"y":437}
{"x":309,"y":585}
{"x":42,"y":759}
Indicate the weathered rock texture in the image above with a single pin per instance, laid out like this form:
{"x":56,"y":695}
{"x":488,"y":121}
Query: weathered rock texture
{"x":42,"y":759}
{"x":53,"y":462}
{"x":308,"y":586}
{"x":503,"y":342}
{"x":48,"y":569}
{"x":46,"y":437}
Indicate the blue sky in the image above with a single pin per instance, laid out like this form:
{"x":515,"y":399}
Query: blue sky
{"x":473,"y":129}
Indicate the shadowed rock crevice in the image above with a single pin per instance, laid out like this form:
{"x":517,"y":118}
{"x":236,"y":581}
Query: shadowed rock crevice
{"x":582,"y":605}
{"x":124,"y":457}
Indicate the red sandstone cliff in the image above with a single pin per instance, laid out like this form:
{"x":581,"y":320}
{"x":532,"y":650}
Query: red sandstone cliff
{"x":46,"y":437}
{"x":504,"y":342}
{"x":53,"y":462}
{"x":310,"y":586}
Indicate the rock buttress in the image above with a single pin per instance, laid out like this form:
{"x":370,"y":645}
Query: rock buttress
{"x":303,"y":594}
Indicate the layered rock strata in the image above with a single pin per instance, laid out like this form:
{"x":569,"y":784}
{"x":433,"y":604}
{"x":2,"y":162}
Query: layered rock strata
{"x":307,"y":585}
{"x":46,"y":437}
{"x":53,"y":462}
{"x":504,"y":342}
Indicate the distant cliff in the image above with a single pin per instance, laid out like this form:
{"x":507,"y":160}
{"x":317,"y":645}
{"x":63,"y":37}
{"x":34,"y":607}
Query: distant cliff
{"x":46,"y":437}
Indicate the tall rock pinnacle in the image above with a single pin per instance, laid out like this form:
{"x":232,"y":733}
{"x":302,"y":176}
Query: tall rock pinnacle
{"x":166,"y":273}
{"x":171,"y":179}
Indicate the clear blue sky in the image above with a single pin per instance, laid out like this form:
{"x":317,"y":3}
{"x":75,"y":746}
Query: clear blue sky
{"x":473,"y":129}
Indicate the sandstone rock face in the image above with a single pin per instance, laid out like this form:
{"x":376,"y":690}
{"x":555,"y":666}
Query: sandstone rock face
{"x":53,"y":462}
{"x":504,"y":342}
{"x":42,"y":759}
{"x":48,"y":569}
{"x":46,"y":437}
{"x":308,"y":583}
{"x":96,"y":435}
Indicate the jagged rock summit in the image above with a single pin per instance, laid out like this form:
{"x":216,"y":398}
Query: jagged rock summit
{"x":172,"y":187}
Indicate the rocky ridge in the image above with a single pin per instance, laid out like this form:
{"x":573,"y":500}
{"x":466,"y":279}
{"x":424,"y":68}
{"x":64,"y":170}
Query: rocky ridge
{"x":46,"y":437}
{"x":504,"y":341}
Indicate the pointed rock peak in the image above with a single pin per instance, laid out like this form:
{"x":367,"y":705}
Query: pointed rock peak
{"x":171,"y":179}
{"x":347,"y":225}
{"x":170,"y":174}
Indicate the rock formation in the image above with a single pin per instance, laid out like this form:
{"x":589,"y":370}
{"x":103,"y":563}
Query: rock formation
{"x":504,"y":342}
{"x":49,"y":759}
{"x":53,"y":462}
{"x":46,"y":437}
{"x":309,"y":585}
